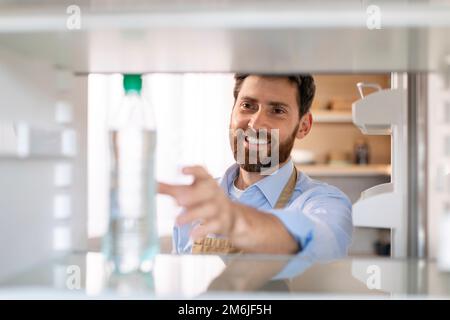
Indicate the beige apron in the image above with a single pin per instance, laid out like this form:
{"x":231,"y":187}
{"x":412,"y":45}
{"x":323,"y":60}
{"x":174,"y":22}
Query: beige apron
{"x":221,"y":246}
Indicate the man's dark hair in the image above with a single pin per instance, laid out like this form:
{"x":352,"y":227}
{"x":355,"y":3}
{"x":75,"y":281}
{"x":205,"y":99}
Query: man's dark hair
{"x":304,"y":83}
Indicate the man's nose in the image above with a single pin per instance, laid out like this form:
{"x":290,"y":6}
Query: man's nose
{"x":258,"y":121}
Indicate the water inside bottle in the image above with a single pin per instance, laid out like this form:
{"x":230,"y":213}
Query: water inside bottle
{"x":132,"y":237}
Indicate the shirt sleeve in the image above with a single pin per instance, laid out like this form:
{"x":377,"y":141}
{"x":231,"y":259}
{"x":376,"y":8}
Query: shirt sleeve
{"x":321,"y":224}
{"x":181,"y":243}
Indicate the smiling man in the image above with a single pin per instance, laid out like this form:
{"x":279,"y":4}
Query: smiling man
{"x":263,"y":204}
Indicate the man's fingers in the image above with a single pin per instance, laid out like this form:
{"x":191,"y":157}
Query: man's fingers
{"x":203,"y":230}
{"x":164,"y":188}
{"x":201,"y":212}
{"x":187,"y":196}
{"x":198,"y":193}
{"x":172,"y":189}
{"x":198,"y":172}
{"x":198,"y":232}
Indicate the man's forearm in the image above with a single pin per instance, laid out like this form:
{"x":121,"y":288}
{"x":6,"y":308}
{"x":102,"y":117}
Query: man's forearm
{"x":259,"y":232}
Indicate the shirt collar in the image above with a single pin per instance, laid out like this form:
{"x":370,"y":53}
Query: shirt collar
{"x":271,"y":186}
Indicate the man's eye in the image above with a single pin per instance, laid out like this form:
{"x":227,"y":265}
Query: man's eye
{"x":279,"y":110}
{"x":246,"y":105}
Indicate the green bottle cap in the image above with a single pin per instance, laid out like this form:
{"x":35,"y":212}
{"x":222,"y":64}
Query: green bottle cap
{"x":132,"y":83}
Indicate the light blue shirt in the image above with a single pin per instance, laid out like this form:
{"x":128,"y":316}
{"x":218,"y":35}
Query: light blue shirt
{"x":318,"y":215}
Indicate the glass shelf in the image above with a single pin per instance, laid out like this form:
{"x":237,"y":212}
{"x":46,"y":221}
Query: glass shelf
{"x":230,"y":277}
{"x":194,"y":36}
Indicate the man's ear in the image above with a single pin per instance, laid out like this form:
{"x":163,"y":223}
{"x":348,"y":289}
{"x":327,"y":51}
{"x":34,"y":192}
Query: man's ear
{"x":304,"y":126}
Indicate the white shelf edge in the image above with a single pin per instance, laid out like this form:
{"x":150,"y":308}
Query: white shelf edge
{"x":332,"y":116}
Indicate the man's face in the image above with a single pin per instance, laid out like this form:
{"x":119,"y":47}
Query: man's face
{"x":264,"y":104}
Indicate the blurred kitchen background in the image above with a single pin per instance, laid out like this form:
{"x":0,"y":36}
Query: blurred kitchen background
{"x":193,"y":111}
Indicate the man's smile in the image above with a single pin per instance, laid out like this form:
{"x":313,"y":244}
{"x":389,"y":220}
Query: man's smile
{"x":251,"y":142}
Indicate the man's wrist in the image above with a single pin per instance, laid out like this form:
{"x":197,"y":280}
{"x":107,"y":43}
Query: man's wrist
{"x":248,"y":220}
{"x":240,"y":224}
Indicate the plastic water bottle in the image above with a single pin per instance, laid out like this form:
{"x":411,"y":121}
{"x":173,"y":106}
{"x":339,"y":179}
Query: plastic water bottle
{"x":132,"y":240}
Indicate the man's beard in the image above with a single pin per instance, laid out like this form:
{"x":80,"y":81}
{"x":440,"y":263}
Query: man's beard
{"x":263,"y":163}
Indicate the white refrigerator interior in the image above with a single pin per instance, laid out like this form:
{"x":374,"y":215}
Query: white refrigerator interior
{"x":45,"y":59}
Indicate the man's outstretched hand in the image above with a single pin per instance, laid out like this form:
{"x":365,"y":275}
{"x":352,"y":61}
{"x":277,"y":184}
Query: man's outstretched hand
{"x":249,"y":229}
{"x":204,"y":201}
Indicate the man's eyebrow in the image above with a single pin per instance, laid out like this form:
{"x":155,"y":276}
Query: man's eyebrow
{"x":248,"y":98}
{"x":278,"y":103}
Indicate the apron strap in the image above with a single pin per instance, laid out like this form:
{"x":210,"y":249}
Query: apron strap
{"x":288,"y":190}
{"x":224,"y":246}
